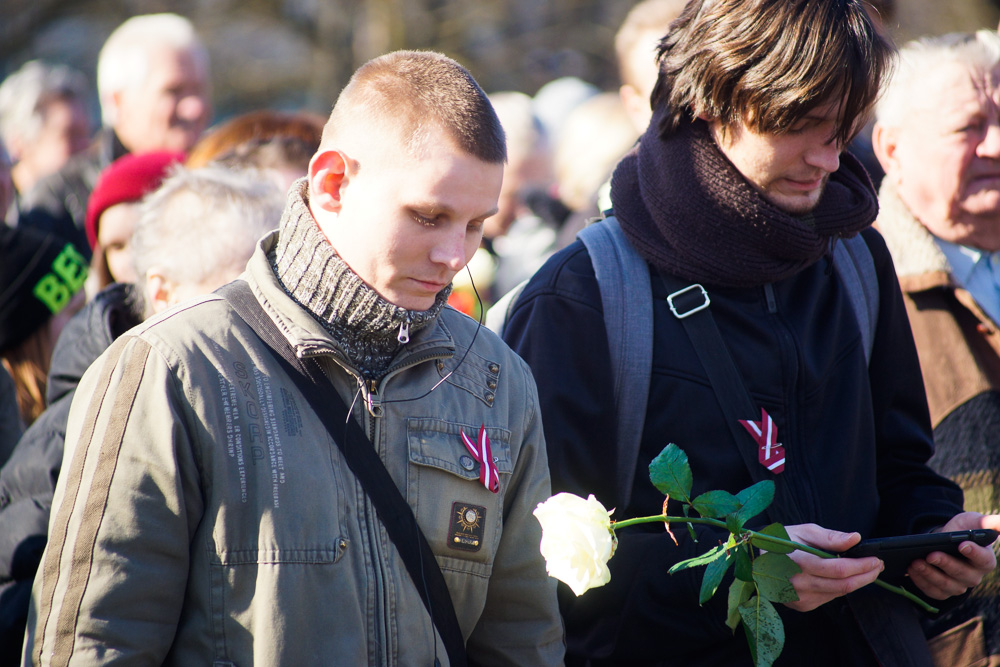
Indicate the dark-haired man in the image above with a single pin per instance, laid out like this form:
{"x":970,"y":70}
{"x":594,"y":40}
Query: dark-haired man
{"x":205,"y":514}
{"x":740,"y":185}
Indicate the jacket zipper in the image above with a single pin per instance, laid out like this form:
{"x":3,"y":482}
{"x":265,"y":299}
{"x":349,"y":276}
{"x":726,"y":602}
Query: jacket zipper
{"x":803,"y":487}
{"x":373,"y":403}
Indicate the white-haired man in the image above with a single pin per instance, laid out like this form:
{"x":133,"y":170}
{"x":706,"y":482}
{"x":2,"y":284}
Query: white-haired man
{"x":937,"y":136}
{"x":153,"y":84}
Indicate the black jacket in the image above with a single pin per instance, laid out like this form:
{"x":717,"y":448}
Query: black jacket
{"x":856,"y":437}
{"x":28,"y":479}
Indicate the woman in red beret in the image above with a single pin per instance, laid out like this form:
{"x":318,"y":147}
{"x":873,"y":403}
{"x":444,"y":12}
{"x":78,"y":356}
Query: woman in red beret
{"x":113,"y":209}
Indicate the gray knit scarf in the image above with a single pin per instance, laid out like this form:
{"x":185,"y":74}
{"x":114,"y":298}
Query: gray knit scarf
{"x":690,"y":213}
{"x":365,"y":325}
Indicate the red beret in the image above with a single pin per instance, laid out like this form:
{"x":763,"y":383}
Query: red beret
{"x":127,"y":179}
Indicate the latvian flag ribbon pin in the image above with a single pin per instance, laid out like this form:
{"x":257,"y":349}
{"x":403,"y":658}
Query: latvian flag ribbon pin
{"x":480,"y":451}
{"x":771,"y":453}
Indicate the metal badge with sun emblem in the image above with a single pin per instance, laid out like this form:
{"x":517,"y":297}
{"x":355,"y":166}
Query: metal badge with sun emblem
{"x":467,"y":527}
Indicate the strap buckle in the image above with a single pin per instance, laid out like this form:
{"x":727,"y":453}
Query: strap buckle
{"x":695,"y":307}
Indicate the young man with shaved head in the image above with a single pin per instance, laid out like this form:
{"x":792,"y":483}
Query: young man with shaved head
{"x":207,"y":514}
{"x":740,"y":201}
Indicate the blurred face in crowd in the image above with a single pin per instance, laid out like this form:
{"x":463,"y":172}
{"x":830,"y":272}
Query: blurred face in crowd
{"x":944,"y":156}
{"x":114,"y":236}
{"x":644,"y":70}
{"x":170,"y":108}
{"x":532,"y":171}
{"x":406,"y":221}
{"x":789,"y":170}
{"x":65,"y":131}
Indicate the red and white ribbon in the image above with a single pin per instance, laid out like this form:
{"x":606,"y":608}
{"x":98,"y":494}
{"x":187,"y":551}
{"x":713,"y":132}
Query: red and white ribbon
{"x":771,"y":452}
{"x":481,"y":451}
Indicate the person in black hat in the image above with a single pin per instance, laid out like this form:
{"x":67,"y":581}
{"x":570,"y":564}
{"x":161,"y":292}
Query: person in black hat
{"x":41,"y":281}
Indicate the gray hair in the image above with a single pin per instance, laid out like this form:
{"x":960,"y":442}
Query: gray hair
{"x":124,"y":58}
{"x":24,"y":94}
{"x":201,"y":221}
{"x":920,"y":56}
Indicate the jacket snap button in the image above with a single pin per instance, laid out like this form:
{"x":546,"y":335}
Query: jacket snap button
{"x":489,"y":398}
{"x":492,"y":384}
{"x":467,"y":462}
{"x":494,"y":368}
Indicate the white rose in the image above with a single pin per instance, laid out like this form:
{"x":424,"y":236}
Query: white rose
{"x":577,"y":540}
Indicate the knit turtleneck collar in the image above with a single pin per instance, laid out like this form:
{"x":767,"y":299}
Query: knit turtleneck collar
{"x":690,"y":213}
{"x":365,"y":326}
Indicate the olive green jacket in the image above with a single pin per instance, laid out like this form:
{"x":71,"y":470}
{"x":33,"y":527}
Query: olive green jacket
{"x":204,"y":516}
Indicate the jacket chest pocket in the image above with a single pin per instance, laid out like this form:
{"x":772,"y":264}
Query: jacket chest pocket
{"x":283,"y":502}
{"x":460,"y":517}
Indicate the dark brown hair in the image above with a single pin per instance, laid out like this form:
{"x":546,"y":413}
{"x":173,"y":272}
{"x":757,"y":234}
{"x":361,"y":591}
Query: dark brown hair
{"x":28,"y":364}
{"x":416,"y":90}
{"x":768,"y":63}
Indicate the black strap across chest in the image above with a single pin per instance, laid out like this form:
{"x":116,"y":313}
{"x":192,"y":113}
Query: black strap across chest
{"x":392,"y":509}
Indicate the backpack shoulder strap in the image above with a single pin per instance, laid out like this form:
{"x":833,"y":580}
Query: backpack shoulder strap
{"x":856,"y":268}
{"x":627,"y":300}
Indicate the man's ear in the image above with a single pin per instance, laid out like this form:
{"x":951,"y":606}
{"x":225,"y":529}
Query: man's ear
{"x":884,"y":142}
{"x":159,"y":291}
{"x":327,"y":179}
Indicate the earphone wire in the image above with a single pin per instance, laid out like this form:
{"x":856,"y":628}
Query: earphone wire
{"x":479,"y":325}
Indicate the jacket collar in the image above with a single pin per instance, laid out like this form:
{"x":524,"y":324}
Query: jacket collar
{"x":919,"y":262}
{"x":305,"y":333}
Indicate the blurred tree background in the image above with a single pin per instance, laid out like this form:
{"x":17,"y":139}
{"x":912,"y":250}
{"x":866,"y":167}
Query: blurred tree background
{"x":296,"y":54}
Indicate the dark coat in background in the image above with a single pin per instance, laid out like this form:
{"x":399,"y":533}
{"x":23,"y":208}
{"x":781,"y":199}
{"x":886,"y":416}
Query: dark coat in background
{"x":28,"y":479}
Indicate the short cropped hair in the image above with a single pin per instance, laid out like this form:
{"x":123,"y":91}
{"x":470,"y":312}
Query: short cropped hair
{"x":647,"y":16}
{"x":921,"y":56}
{"x":417,"y":91}
{"x":201,"y":220}
{"x":25,"y":94}
{"x":124,"y":59}
{"x":768,"y":63}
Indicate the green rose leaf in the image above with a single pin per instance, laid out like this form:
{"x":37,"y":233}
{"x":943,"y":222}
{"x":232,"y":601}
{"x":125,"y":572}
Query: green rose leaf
{"x":697,"y":561}
{"x":715,"y":504}
{"x":774,"y":530}
{"x":671,"y":473}
{"x":739,"y":592}
{"x":744,"y":566}
{"x":764,"y":630}
{"x":771,"y":572}
{"x":755,"y":499}
{"x":734,"y":524}
{"x":714,"y":573}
